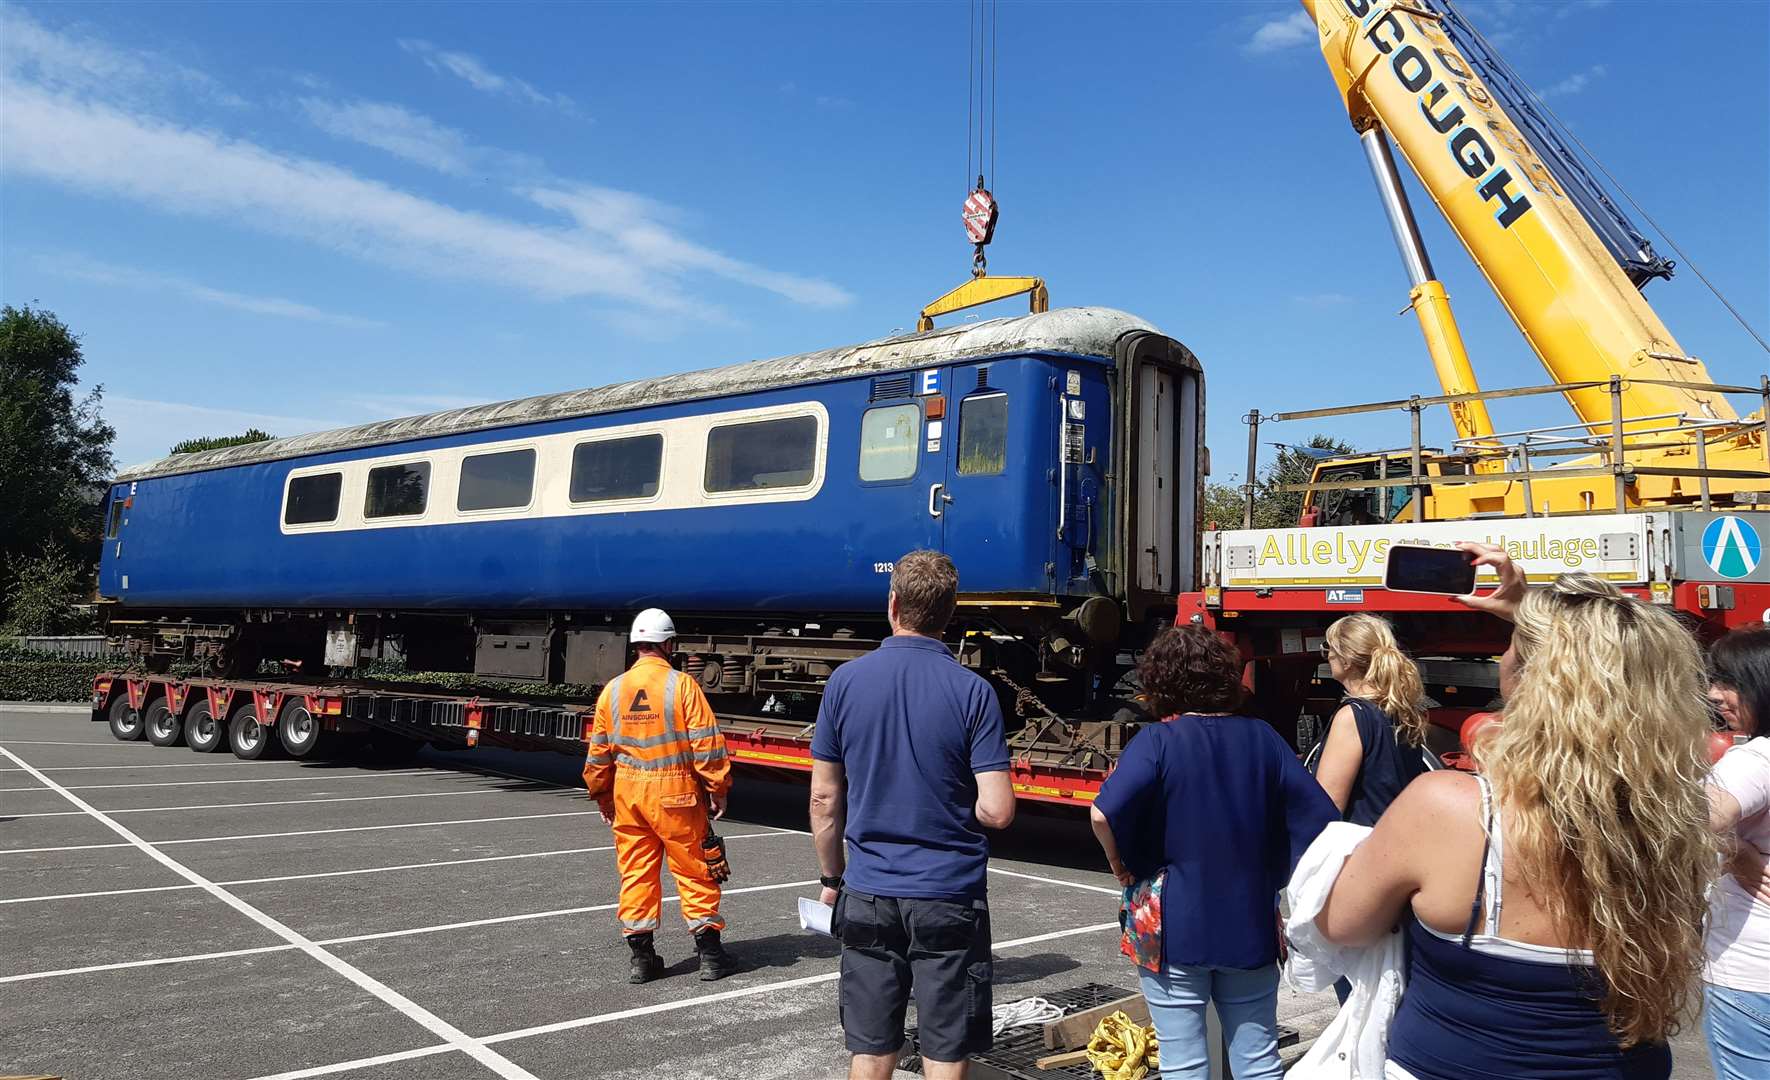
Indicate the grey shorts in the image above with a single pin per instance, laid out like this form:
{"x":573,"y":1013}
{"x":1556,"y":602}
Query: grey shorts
{"x":939,"y":950}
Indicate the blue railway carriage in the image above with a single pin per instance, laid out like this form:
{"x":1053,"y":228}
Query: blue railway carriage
{"x":1057,"y":457}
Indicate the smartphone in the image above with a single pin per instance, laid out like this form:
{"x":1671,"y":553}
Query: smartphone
{"x":1419,"y":569}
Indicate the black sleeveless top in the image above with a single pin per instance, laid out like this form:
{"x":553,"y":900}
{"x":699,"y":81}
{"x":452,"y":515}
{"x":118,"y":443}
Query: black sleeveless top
{"x":1388,"y":765}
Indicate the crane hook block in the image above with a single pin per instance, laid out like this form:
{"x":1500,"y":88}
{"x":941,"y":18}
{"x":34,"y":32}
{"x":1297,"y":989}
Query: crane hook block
{"x":980,"y":216}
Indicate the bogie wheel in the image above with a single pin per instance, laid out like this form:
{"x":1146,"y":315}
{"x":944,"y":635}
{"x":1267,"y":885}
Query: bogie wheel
{"x":246,"y":737}
{"x":202,"y":731}
{"x":163,"y":727}
{"x":126,"y":725}
{"x":298,"y":730}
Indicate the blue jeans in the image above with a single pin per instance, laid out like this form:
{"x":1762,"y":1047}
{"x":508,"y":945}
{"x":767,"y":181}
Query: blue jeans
{"x":1247,"y":1004}
{"x":1737,"y":1023}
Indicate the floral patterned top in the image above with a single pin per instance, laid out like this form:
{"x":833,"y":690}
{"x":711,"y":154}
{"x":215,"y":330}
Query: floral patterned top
{"x":1140,"y":917}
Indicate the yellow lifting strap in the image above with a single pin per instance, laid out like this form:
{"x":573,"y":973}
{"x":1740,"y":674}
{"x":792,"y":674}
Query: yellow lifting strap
{"x":983,"y":290}
{"x":1123,"y":1049}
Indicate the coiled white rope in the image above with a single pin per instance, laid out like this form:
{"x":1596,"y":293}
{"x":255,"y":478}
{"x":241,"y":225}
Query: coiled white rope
{"x":1023,"y":1013}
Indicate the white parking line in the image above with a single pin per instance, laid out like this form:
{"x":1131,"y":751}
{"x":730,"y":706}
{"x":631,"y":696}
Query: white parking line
{"x":311,"y":777}
{"x":415,"y":931}
{"x":220,"y":761}
{"x":275,"y":802}
{"x":52,"y":742}
{"x":419,"y":1015}
{"x":644,"y":1010}
{"x":300,"y":832}
{"x":354,"y":873}
{"x":1057,"y":881}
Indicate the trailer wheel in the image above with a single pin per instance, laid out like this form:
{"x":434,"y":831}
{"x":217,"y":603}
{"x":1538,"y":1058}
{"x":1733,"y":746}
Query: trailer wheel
{"x":246,"y":737}
{"x":163,"y":728}
{"x":126,"y":725}
{"x":297,"y":729}
{"x":202,"y":731}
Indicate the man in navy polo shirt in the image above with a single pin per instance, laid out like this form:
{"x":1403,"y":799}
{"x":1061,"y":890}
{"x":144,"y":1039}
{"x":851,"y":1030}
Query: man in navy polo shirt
{"x":910,"y":766}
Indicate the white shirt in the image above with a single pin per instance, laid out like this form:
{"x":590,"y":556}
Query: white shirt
{"x":1738,"y":940}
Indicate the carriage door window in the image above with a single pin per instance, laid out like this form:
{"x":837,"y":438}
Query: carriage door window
{"x":983,"y":435}
{"x":397,"y":490}
{"x":110,"y":532}
{"x":313,"y":500}
{"x":888,"y":442}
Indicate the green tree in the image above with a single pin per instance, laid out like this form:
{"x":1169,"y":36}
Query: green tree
{"x":216,"y":442}
{"x":1273,"y":509}
{"x":46,"y":592}
{"x":55,"y":448}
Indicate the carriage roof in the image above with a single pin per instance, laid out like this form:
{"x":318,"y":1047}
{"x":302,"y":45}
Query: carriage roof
{"x":1086,"y":331}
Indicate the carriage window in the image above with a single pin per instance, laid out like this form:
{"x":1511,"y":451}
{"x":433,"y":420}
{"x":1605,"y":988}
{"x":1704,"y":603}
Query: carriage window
{"x":888,"y":438}
{"x":763,"y":454}
{"x":983,"y":435}
{"x":616,"y":469}
{"x":496,"y":481}
{"x":397,"y":490}
{"x":116,"y":519}
{"x":313,"y":500}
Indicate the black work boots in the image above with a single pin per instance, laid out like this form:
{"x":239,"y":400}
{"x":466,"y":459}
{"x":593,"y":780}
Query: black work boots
{"x":716,"y":963}
{"x":646,"y":963}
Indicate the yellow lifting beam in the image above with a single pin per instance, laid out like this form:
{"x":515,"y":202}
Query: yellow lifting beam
{"x":983,"y":290}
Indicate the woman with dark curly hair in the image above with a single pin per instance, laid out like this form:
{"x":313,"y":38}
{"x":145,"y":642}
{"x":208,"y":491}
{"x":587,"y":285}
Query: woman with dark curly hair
{"x":1203,"y":820}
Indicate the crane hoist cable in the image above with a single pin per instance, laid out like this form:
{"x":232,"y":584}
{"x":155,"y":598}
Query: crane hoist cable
{"x":980,"y":210}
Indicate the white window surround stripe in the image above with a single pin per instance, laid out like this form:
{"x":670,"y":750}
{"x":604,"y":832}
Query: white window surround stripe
{"x":682,"y":472}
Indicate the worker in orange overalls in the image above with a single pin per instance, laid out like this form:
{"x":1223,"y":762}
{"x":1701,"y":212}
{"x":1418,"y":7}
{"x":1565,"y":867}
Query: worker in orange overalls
{"x":658,"y":771}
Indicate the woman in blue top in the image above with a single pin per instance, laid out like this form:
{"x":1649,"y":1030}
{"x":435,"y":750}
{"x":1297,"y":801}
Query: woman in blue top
{"x":1554,"y":902}
{"x":1218,"y":802}
{"x":1376,"y":743}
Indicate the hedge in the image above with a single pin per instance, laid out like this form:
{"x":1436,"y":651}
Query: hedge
{"x":49,"y":679}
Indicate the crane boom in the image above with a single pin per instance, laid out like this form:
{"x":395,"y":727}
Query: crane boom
{"x":1571,"y":291}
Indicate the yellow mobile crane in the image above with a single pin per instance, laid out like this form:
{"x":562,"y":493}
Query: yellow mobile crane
{"x":1653,"y":428}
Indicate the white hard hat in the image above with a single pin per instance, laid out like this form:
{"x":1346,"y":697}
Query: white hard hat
{"x":654,"y":626}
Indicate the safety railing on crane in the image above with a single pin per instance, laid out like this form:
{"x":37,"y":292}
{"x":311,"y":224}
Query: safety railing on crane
{"x":1520,"y":455}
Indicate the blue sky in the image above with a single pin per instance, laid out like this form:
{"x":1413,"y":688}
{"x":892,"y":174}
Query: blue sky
{"x":304,"y":216}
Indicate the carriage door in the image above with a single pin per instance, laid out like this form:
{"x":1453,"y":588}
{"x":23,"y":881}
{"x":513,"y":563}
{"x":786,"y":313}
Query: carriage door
{"x":982,"y":504}
{"x":1157,"y":490}
{"x":113,"y":578}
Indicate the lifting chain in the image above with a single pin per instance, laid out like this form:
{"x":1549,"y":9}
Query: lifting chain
{"x":1026,"y":703}
{"x":979,"y":264}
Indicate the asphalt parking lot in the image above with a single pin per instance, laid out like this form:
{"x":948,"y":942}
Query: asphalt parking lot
{"x":286,"y":919}
{"x":169,"y":914}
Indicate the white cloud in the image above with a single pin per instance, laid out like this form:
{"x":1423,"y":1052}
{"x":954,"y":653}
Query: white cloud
{"x":395,"y":129}
{"x":1294,"y":29}
{"x":608,"y":244}
{"x":84,"y":269}
{"x":631,"y":223}
{"x":1323,"y":299}
{"x":1574,"y":83}
{"x":58,"y":61}
{"x":113,"y":152}
{"x":474,"y":73}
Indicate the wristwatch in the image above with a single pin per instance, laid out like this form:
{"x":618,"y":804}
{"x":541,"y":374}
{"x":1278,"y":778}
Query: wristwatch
{"x":830,"y":881}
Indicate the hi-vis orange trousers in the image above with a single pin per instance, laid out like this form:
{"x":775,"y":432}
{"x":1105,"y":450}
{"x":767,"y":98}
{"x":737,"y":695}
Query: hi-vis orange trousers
{"x":659,"y":817}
